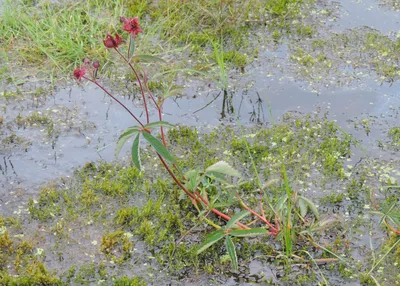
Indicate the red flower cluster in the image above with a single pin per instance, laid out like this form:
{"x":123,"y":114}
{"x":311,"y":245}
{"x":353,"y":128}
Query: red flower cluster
{"x":131,"y":25}
{"x":111,"y":42}
{"x":87,"y":66}
{"x":79,"y":73}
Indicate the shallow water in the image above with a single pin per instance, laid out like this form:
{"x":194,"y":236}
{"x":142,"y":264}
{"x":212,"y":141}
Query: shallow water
{"x":99,"y":121}
{"x":371,"y":13}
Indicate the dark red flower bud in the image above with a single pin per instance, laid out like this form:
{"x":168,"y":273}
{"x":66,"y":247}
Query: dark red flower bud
{"x":131,"y":25}
{"x":96,"y":65}
{"x":111,"y":42}
{"x":79,"y":73}
{"x":86,"y":61}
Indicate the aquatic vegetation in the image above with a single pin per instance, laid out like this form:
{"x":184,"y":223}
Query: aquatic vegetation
{"x":359,"y":49}
{"x":394,"y":134}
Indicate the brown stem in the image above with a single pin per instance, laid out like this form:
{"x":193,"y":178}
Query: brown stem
{"x":113,"y":97}
{"x":140,"y":84}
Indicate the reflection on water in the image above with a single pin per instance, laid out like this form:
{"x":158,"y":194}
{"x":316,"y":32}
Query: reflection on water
{"x":227,"y":105}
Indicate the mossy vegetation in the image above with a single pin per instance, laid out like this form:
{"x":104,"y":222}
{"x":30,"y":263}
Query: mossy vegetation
{"x":394,"y":135}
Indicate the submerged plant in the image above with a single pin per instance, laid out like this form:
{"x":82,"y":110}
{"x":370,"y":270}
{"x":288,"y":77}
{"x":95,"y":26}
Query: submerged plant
{"x":209,"y":190}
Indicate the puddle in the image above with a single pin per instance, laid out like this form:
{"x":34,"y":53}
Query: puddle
{"x":371,"y":13}
{"x":100,"y":121}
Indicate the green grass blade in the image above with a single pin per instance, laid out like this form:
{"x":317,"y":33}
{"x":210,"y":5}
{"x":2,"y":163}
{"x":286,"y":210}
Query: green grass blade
{"x":211,"y":239}
{"x":237,"y":217}
{"x":230,"y":248}
{"x":330,"y":252}
{"x":158,"y":146}
{"x":384,"y":256}
{"x":136,"y":152}
{"x":316,"y":265}
{"x":248,"y":232}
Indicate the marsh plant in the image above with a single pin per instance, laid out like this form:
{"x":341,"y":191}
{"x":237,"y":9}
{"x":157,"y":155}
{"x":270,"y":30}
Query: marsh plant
{"x":216,"y":192}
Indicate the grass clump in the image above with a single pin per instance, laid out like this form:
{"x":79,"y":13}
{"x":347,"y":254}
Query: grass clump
{"x":126,"y":281}
{"x":58,"y":34}
{"x":394,"y":135}
{"x":19,"y":265}
{"x":53,"y":34}
{"x":117,"y":244}
{"x":47,"y":206}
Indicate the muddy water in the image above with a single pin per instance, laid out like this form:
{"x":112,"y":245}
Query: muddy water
{"x":99,"y":121}
{"x":371,"y":13}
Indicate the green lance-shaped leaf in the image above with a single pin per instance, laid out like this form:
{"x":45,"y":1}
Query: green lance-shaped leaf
{"x":311,"y":205}
{"x":279,"y":205}
{"x":136,"y":152}
{"x":237,"y":217}
{"x":222,"y":167}
{"x":148,"y":58}
{"x":192,"y":177}
{"x":158,"y":124}
{"x":160,"y":148}
{"x":211,"y":239}
{"x":248,"y":232}
{"x":128,"y":133}
{"x":132,"y":47}
{"x":230,"y":248}
{"x":218,"y":177}
{"x":303,"y":208}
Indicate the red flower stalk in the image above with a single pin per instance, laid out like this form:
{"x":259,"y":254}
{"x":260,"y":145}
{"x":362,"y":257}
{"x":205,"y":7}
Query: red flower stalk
{"x":131,"y":25}
{"x":79,"y":73}
{"x":111,"y":42}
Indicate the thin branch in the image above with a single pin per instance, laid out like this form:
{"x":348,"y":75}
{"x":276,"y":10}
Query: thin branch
{"x":113,"y":97}
{"x":140,"y":84}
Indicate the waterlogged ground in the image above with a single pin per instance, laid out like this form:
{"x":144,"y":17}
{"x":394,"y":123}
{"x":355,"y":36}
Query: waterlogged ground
{"x":321,"y":86}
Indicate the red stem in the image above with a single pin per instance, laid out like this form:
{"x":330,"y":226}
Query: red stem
{"x":113,"y":97}
{"x":140,"y":84}
{"x":158,"y":108}
{"x":273,"y":229}
{"x":198,"y":198}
